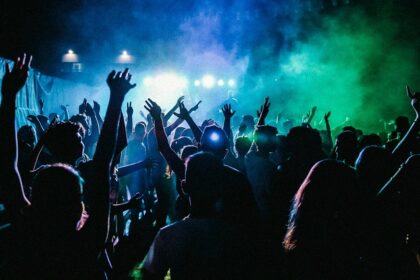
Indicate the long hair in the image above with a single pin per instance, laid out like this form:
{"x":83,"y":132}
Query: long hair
{"x":321,"y":205}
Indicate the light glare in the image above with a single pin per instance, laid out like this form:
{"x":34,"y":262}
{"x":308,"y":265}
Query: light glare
{"x":208,"y":81}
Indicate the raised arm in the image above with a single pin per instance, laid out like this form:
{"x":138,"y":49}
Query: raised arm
{"x":94,"y":126}
{"x":130,"y":113}
{"x":169,"y":114}
{"x":38,"y":126}
{"x":174,"y":162}
{"x":228,"y":114}
{"x":65,"y":112}
{"x":10,"y":182}
{"x":119,"y":84}
{"x":328,"y":129}
{"x":185,"y":115}
{"x":402,"y":150}
{"x":97,"y":110}
{"x":41,"y":106}
{"x":263,"y":112}
{"x":133,"y":167}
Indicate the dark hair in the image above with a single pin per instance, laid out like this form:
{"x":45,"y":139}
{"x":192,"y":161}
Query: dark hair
{"x":179,"y":143}
{"x":61,"y":138}
{"x":57,"y":192}
{"x":203,"y":175}
{"x":214,"y":140}
{"x":242,"y":145}
{"x":321,"y":205}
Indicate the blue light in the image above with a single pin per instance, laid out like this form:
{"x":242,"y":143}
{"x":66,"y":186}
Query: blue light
{"x":214,"y":137}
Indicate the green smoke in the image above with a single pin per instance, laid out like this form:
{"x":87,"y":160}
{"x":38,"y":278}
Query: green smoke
{"x":353,"y":62}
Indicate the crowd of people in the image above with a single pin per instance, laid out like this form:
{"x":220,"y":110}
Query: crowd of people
{"x":86,"y":197}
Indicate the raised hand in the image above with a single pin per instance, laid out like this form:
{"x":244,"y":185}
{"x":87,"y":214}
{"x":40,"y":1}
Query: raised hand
{"x":89,"y":110}
{"x":119,"y":83}
{"x":32,"y":118}
{"x":130,"y":110}
{"x":264,"y":109}
{"x":63,"y":107}
{"x":82,"y":107}
{"x":195,"y":108}
{"x":227,"y":111}
{"x":415,"y":100}
{"x":183,"y":112}
{"x":41,"y":105}
{"x":15,"y":79}
{"x":327,"y":116}
{"x":154,"y":109}
{"x":96,"y":107}
{"x":143,"y":115}
{"x":180,"y":99}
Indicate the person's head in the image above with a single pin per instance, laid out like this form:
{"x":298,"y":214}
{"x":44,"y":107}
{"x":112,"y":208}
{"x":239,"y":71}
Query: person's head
{"x":402,"y":124}
{"x":370,"y":140}
{"x":303,"y":142}
{"x":53,"y":116}
{"x":242,"y":145}
{"x":265,"y":138}
{"x":321,"y":210}
{"x":57,"y":196}
{"x":188,"y":133}
{"x":214,"y":140}
{"x":202,"y":182}
{"x":178,"y":144}
{"x":248,"y":120}
{"x":350,"y":128}
{"x":26,"y":134}
{"x":82,"y":119}
{"x":188,"y":151}
{"x":178,"y":132}
{"x":140,"y":131}
{"x":374,"y":166}
{"x":64,"y":141}
{"x":346,"y":146}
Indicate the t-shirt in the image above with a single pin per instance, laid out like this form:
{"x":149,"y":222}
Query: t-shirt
{"x":199,"y":248}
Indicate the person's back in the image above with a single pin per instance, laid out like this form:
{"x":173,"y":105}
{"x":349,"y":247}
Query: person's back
{"x":198,"y":248}
{"x":207,"y":244}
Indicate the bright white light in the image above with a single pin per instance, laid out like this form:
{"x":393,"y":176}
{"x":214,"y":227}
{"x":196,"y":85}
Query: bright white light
{"x":125,"y":58}
{"x":148,"y":81}
{"x":182,"y":82}
{"x":208,"y":81}
{"x":214,"y":137}
{"x":220,"y":83}
{"x":197,"y":83}
{"x":231,"y":83}
{"x":70,"y":57}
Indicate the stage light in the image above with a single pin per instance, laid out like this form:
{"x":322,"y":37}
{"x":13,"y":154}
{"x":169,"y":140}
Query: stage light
{"x":148,"y":81}
{"x":220,"y":83}
{"x":208,"y":81}
{"x":70,"y":57}
{"x":125,"y":58}
{"x":197,"y":83}
{"x":231,"y":83}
